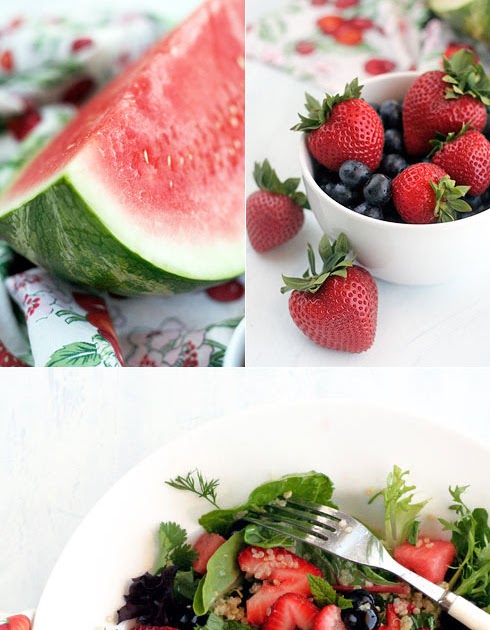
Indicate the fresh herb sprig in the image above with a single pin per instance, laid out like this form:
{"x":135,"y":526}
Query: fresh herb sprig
{"x":471,"y":538}
{"x":401,"y":510}
{"x":195,"y":482}
{"x":173,"y":550}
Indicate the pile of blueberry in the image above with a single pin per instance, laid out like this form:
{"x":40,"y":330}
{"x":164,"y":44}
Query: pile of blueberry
{"x":363,"y":615}
{"x":358,"y":188}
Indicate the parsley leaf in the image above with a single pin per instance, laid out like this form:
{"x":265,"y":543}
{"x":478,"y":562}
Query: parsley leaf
{"x":400,"y":509}
{"x":173,"y":549}
{"x":324,"y":593}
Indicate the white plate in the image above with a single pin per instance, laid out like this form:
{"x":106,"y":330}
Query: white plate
{"x":355,"y":444}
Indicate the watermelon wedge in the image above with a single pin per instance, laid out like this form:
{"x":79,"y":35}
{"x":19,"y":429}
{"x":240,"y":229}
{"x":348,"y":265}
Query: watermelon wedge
{"x":144,"y":191}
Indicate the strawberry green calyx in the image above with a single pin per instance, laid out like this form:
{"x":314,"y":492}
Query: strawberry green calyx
{"x":318,"y":114}
{"x":448,"y":199}
{"x":335,"y":263}
{"x":464,"y":76}
{"x":267,"y":179}
{"x":441,"y":140}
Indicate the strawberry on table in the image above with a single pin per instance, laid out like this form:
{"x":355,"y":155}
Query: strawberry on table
{"x":275,"y":212}
{"x":343,"y":127}
{"x":441,"y":101}
{"x":424,"y":193}
{"x":280,"y":571}
{"x":329,"y":618}
{"x":428,"y":558}
{"x":291,"y":611}
{"x":337,"y":307}
{"x":465,"y":156}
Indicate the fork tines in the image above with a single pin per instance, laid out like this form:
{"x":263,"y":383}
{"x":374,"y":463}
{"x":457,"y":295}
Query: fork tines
{"x":303,"y":520}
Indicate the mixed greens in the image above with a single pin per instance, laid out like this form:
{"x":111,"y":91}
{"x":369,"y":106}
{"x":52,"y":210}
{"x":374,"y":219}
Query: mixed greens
{"x":176,"y":595}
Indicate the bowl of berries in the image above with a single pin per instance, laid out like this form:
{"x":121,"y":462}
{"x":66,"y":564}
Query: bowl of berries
{"x":404,"y":170}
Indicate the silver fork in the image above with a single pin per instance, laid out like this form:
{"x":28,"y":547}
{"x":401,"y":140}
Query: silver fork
{"x":342,"y":535}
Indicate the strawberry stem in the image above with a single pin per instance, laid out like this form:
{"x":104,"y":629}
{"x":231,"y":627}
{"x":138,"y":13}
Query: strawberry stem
{"x":464,"y":76}
{"x":441,"y":140}
{"x":319,"y":114}
{"x":448,"y":199}
{"x":267,"y":179}
{"x":335,"y":263}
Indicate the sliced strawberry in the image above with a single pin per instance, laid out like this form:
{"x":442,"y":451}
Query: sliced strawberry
{"x":206,"y":545}
{"x":392,"y":621}
{"x":289,"y":612}
{"x":428,"y":558}
{"x":266,"y":564}
{"x":282,"y":572}
{"x":329,"y":619}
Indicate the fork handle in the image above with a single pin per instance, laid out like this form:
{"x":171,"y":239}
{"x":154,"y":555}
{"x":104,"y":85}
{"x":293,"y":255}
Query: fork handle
{"x":465,"y":612}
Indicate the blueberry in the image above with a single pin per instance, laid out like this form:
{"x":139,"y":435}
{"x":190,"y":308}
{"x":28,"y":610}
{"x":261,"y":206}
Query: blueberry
{"x":363,"y":614}
{"x":393,"y":141}
{"x":354,"y":174}
{"x":390,"y":112}
{"x":328,"y":187}
{"x":476,"y":203}
{"x":342,"y":194}
{"x":360,"y":597}
{"x":377,"y":191}
{"x":323,"y":175}
{"x":390,"y":213}
{"x":392,"y":164}
{"x":360,"y":619}
{"x":367,"y":210}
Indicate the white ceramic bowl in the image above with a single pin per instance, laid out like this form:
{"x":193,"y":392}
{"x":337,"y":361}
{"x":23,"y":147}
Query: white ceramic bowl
{"x":396,"y":252}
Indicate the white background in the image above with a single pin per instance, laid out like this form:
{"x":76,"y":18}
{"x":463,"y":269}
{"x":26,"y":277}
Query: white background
{"x":446,"y":325}
{"x":66,"y":436}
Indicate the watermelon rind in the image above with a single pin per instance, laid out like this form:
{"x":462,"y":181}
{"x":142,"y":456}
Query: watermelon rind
{"x":469,"y":17}
{"x":58,"y":230}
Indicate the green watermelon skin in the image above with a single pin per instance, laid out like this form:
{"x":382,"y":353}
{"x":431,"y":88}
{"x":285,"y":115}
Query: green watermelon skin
{"x":57,"y":230}
{"x":161,"y":212}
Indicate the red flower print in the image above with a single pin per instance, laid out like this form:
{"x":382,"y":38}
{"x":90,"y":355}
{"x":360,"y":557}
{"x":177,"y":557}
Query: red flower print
{"x":305,"y":47}
{"x":379,"y":66}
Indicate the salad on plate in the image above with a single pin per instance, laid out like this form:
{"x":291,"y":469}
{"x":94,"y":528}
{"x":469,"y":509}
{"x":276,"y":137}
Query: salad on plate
{"x":235,"y":575}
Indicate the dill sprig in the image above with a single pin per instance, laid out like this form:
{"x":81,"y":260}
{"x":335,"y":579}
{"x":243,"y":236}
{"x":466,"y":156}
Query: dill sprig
{"x":195,"y":482}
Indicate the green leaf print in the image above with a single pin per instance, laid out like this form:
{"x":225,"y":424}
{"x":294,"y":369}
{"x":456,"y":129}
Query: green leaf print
{"x":78,"y":354}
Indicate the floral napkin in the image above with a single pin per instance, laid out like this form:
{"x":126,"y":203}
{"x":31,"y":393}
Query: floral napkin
{"x":331,"y":41}
{"x":48,"y":67}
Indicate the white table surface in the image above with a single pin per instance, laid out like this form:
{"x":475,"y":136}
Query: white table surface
{"x":66,"y":436}
{"x":446,"y":325}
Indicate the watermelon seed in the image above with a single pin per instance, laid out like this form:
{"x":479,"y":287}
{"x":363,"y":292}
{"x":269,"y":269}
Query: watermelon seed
{"x":145,"y":155}
{"x":169,"y":161}
{"x":241,"y":62}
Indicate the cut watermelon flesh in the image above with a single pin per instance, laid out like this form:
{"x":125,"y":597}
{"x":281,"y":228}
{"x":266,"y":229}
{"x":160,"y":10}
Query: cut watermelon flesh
{"x":144,"y":190}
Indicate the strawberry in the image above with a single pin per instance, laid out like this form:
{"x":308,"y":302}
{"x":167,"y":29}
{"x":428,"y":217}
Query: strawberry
{"x":281,"y":571}
{"x":227,"y":292}
{"x":329,"y":619}
{"x":15,"y":622}
{"x":465,"y":156}
{"x":336,"y":308}
{"x":441,"y":101}
{"x":206,"y":545}
{"x":393,"y":622}
{"x":424,"y":193}
{"x":428,"y":558}
{"x":291,"y":611}
{"x":275,"y":212}
{"x":342,"y":128}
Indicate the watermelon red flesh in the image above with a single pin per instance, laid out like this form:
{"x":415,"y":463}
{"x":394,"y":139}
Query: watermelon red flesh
{"x":156,"y":158}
